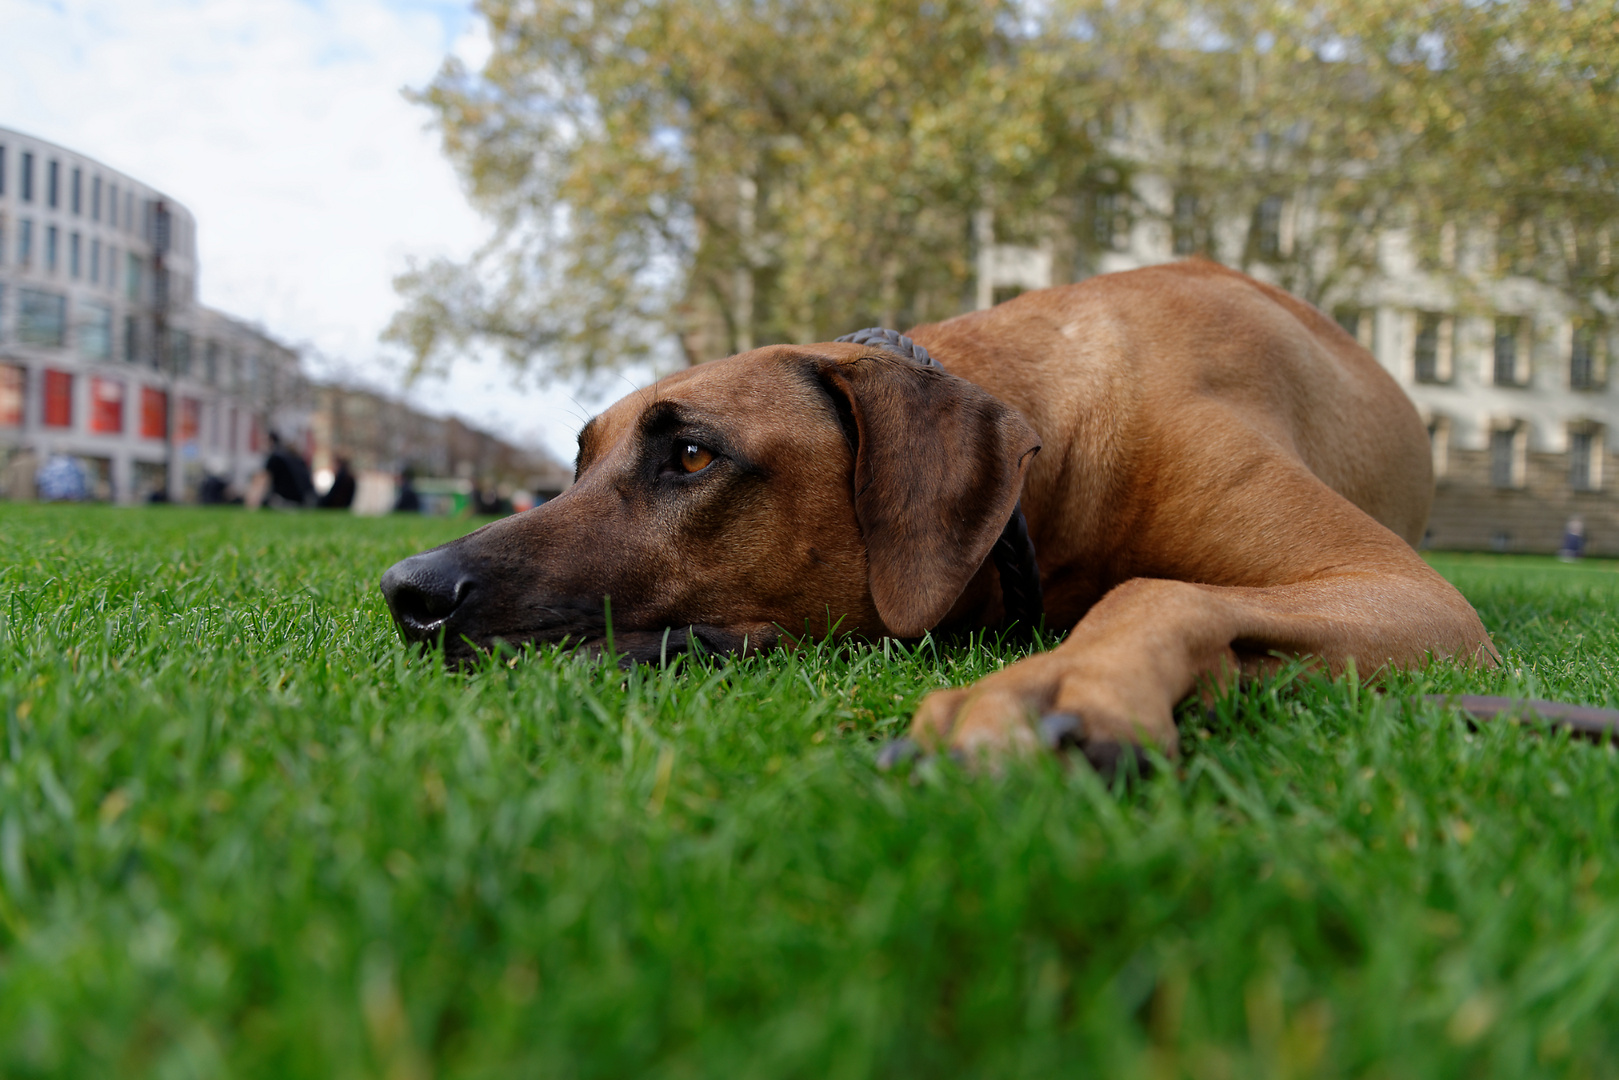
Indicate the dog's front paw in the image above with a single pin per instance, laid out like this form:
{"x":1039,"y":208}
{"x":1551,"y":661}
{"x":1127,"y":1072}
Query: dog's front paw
{"x":1045,"y":703}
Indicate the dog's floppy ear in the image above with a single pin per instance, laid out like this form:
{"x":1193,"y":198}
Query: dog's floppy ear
{"x":939,"y":464}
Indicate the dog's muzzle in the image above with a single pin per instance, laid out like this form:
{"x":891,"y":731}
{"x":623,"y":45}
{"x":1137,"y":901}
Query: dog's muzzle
{"x":425,"y":592}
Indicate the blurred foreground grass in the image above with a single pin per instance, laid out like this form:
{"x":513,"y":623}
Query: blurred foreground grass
{"x":244,"y":833}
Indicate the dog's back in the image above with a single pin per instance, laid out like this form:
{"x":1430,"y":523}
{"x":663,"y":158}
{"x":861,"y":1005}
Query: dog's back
{"x":1101,"y":367}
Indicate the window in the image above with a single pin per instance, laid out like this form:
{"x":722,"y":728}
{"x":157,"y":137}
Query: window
{"x":129,"y":211}
{"x":190,"y":419}
{"x":53,"y":184}
{"x":58,"y":399}
{"x":210,"y":363}
{"x":13,"y":382}
{"x":95,"y":199}
{"x":51,"y":234}
{"x":1510,"y":355}
{"x":1431,"y":348}
{"x":41,"y":317}
{"x":162,"y":228}
{"x":73,"y":255}
{"x":77,"y":190}
{"x":179,"y":352}
{"x":106,"y":406}
{"x":132,"y":277}
{"x":27,"y":176}
{"x":95,"y":262}
{"x":1585,"y":458}
{"x":1507,"y":456}
{"x":25,"y":242}
{"x":1356,"y":322}
{"x":1439,"y":445}
{"x":1110,"y":222}
{"x":112,"y":268}
{"x":1190,"y":233}
{"x":154,"y":413}
{"x":2,"y":169}
{"x":132,"y":339}
{"x":112,"y":205}
{"x":95,"y":331}
{"x":1516,"y":246}
{"x":1435,"y":246}
{"x":1267,"y":228}
{"x":1587,"y":359}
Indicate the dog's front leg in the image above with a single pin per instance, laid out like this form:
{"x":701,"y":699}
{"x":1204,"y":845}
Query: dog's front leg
{"x":1114,"y":683}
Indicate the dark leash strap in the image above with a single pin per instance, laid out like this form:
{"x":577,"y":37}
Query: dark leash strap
{"x":1013,"y":553}
{"x":1581,"y":721}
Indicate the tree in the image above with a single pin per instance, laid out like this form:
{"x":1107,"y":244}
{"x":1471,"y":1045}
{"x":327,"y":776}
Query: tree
{"x":1323,"y":126}
{"x":736,"y":172}
{"x":1521,"y":101}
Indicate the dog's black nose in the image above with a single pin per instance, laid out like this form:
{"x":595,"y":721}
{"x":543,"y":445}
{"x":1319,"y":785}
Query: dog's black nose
{"x":425,"y":590}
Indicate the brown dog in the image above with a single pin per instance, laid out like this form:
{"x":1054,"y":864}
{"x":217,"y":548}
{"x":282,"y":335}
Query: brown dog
{"x":1223,"y":475}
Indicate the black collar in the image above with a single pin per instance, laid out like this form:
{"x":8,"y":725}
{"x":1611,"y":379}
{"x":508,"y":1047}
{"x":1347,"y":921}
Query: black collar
{"x":1013,"y":553}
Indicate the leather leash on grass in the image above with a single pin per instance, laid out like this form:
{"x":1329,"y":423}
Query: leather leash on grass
{"x":1582,"y":721}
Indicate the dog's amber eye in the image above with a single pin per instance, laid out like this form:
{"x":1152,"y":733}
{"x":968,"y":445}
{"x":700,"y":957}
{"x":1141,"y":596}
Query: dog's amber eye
{"x":694,"y":458}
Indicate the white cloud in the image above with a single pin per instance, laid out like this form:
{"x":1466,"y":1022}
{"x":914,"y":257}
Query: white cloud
{"x":281,"y":125}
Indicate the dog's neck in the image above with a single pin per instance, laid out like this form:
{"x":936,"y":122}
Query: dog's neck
{"x":1013,"y":554}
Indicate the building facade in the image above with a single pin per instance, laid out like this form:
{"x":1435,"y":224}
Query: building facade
{"x":1510,"y":375}
{"x":105,"y":355}
{"x":380,"y":437}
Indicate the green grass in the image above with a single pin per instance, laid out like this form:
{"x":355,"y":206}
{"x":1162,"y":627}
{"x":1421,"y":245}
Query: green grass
{"x":244,"y":833}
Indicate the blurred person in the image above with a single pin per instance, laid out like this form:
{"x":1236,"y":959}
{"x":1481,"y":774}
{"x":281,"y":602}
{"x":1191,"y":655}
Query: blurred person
{"x":258,"y":490}
{"x":340,"y":496}
{"x":213,"y":491}
{"x":290,"y":482}
{"x":486,"y":501}
{"x":1573,"y":540}
{"x":18,"y":478}
{"x":62,"y":479}
{"x":409,"y":500}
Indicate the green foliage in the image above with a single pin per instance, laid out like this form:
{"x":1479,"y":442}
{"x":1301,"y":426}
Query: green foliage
{"x":244,"y":832}
{"x":730,"y":174}
{"x":784,"y":167}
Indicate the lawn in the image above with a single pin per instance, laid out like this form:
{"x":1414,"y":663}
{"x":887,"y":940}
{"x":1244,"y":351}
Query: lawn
{"x":244,"y":832}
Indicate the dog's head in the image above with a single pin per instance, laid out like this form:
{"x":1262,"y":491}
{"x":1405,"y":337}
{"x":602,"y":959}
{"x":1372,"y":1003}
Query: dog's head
{"x":795,"y":489}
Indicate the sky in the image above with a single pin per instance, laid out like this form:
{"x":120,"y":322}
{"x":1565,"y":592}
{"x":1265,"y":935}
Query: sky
{"x":281,"y":124}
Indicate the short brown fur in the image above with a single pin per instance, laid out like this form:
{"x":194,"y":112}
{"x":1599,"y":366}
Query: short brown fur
{"x":1222,"y":475}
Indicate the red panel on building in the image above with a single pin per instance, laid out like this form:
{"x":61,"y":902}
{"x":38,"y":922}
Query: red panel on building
{"x":58,"y":399}
{"x":13,"y":385}
{"x":190,"y":419}
{"x":154,"y":413}
{"x":106,"y":406}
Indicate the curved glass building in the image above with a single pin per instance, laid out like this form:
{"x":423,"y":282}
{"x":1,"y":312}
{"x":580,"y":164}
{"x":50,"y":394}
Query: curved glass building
{"x":106,"y":358}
